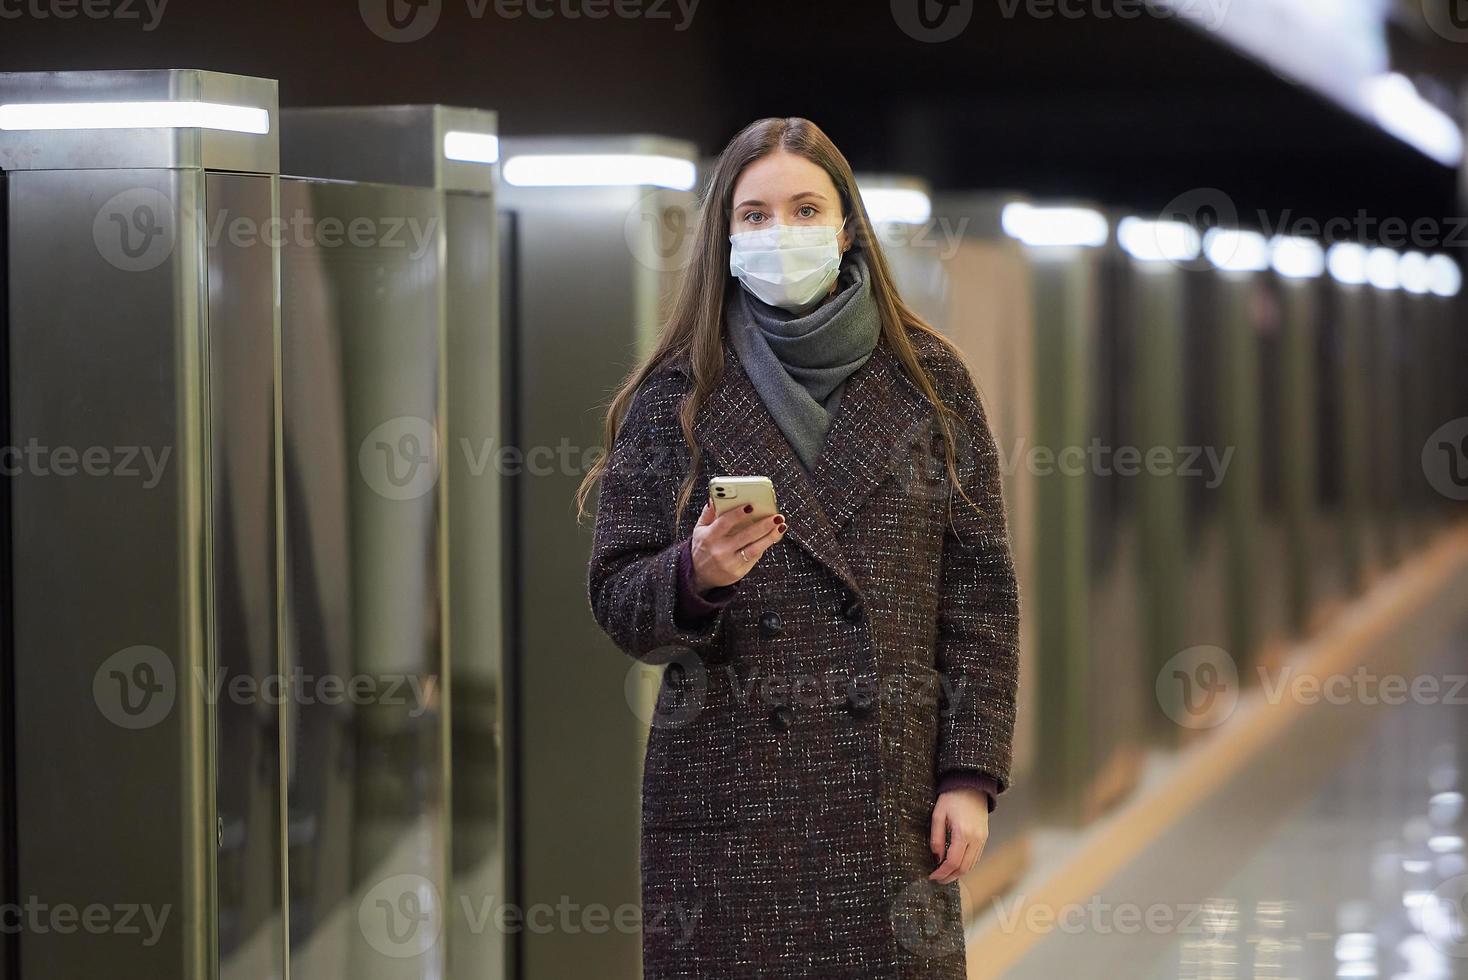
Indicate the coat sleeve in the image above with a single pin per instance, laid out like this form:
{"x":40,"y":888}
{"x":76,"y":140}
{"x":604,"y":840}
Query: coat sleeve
{"x":978,"y":614}
{"x":632,"y":577}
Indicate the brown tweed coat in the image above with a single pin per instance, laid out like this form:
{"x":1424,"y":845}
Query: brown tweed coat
{"x":789,"y":778}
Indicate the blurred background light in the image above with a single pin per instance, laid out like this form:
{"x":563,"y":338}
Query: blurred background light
{"x":1413,"y":273}
{"x":1158,"y":241}
{"x":1055,"y":226}
{"x":1346,"y":263}
{"x":1381,"y":268}
{"x":1398,"y":108}
{"x":897,"y":205}
{"x":1445,"y":279}
{"x":1233,"y":250}
{"x":600,"y":170}
{"x":1296,"y":258}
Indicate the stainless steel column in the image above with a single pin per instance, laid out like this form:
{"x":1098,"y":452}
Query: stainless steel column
{"x":433,"y":168}
{"x":141,"y":327}
{"x":600,"y":225}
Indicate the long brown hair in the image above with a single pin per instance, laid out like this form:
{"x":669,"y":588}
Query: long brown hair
{"x":693,"y":335}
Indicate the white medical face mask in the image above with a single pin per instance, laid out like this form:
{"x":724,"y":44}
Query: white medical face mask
{"x":789,"y":266}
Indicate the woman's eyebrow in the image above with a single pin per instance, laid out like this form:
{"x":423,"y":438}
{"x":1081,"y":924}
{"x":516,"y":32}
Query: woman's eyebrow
{"x":794,"y":197}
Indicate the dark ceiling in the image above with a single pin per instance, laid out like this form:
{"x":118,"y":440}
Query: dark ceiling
{"x":1128,"y":110}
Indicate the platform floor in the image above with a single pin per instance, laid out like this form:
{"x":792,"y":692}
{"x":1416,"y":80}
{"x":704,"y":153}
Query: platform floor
{"x":1331,"y":847}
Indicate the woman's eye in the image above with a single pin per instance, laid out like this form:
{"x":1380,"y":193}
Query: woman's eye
{"x":807,"y":211}
{"x":754,"y":217}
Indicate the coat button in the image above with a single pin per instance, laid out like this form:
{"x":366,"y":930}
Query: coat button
{"x":771,"y":623}
{"x":859,"y":703}
{"x":851,"y":610}
{"x":782,"y":718}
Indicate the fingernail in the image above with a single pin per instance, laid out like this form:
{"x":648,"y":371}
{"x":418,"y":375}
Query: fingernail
{"x":748,"y":508}
{"x":782,"y":528}
{"x":779,"y":519}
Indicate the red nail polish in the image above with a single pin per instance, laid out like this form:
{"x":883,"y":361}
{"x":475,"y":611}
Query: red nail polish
{"x":748,"y":508}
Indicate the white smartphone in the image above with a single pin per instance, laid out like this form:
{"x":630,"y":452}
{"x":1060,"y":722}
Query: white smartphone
{"x":730,"y":492}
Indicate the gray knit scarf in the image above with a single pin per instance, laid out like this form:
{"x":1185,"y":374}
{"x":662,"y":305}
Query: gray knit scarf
{"x":800,"y":363}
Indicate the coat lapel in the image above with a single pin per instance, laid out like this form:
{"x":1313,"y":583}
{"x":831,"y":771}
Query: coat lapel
{"x":879,"y":406}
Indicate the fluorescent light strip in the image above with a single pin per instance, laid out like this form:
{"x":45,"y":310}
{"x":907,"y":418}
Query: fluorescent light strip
{"x":1346,"y":263}
{"x":1445,"y":279}
{"x":1158,"y":241}
{"x":897,"y":205}
{"x":1236,"y":251}
{"x":1055,"y":227}
{"x":1296,"y":258}
{"x":471,"y":147}
{"x":600,"y":170}
{"x":134,"y":115}
{"x":1381,"y":268}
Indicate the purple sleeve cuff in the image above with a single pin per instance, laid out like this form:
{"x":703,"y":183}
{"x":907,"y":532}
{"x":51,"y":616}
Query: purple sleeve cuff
{"x":693,"y":606}
{"x":970,"y":779}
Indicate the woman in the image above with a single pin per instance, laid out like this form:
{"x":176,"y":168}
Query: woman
{"x":821,"y":691}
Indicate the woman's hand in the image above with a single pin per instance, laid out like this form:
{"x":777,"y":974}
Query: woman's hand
{"x":717,"y":539}
{"x":963,"y":816}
